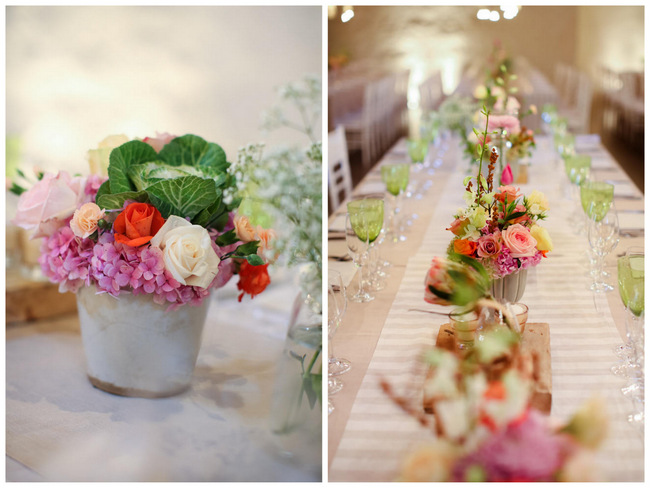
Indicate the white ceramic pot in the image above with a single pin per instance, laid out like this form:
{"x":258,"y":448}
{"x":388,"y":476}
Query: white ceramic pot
{"x":134,"y":347}
{"x":510,"y":288}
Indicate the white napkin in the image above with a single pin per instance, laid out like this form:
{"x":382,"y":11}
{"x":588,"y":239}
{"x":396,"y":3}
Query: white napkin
{"x":631,"y":220}
{"x":370,"y":187}
{"x":338,"y":224}
{"x":586,"y":142}
{"x":624,"y":189}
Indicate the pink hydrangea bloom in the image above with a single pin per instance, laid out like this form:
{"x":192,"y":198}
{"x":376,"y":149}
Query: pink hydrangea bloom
{"x":65,"y":259}
{"x":529,"y":450}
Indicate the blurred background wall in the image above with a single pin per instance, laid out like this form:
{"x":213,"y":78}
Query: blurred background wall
{"x":447,"y":38}
{"x":78,"y":74}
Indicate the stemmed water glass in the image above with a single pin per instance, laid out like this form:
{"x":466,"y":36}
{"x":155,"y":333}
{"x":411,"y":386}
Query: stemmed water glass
{"x":596,"y":198}
{"x":396,"y":178}
{"x":363,"y":224}
{"x":603,"y":234}
{"x":334,"y":385}
{"x":336,"y":310}
{"x":577,"y":167}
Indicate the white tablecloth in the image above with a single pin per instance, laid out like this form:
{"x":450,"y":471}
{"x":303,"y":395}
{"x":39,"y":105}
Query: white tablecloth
{"x":60,"y":428}
{"x":378,"y":434}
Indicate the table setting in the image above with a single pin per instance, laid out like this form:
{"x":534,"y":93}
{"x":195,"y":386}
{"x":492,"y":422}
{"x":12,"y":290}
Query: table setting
{"x":570,"y":327}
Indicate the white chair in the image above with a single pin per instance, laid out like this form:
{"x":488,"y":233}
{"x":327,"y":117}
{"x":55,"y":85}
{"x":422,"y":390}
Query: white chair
{"x":339,"y":176}
{"x":579,"y":114}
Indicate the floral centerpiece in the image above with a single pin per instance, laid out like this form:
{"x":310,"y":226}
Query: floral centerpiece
{"x":157,"y":225}
{"x":500,"y":226}
{"x":485,"y":422}
{"x":152,"y":230}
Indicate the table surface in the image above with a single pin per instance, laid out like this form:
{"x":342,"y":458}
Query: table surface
{"x":382,"y":338}
{"x":60,"y":428}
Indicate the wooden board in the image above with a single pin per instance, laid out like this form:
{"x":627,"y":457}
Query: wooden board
{"x":536,"y":338}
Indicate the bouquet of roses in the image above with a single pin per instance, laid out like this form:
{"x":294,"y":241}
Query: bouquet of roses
{"x":499,"y":227}
{"x":152,"y":219}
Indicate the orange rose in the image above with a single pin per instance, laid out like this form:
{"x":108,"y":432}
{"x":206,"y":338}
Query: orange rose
{"x":252,"y":279}
{"x":465,"y":246}
{"x":458,"y":226}
{"x":137,"y":224}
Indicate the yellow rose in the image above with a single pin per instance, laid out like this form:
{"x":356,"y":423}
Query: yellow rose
{"x":98,"y":159}
{"x":480,"y":92}
{"x":537,"y":203}
{"x":540,"y":234}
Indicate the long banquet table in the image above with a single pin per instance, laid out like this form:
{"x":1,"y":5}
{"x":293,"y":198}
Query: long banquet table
{"x":60,"y":428}
{"x":368,"y":435}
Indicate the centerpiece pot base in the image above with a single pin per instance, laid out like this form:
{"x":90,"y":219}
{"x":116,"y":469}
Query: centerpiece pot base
{"x":511,"y":287}
{"x":135,"y":347}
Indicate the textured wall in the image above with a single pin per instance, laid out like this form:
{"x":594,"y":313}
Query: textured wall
{"x":78,"y":74}
{"x":425,"y":39}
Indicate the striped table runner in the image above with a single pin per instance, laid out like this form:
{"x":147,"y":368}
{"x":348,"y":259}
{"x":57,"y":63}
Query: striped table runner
{"x":378,"y":434}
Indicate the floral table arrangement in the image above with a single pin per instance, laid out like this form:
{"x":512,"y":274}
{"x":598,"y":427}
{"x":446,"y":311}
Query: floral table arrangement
{"x":500,"y":227}
{"x":484,"y":419}
{"x":142,"y":242}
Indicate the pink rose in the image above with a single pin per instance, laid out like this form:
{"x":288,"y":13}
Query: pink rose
{"x":160,"y":141}
{"x":438,"y":278}
{"x":519,"y":241}
{"x":508,"y":122}
{"x":49,"y":203}
{"x":489,"y":245}
{"x":506,"y":175}
{"x":84,"y":221}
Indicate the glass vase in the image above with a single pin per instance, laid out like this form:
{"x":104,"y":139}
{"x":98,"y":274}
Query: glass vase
{"x":296,"y":406}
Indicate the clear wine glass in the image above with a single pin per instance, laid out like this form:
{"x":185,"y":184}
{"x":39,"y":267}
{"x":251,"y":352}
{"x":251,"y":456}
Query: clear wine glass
{"x":396,"y":178}
{"x":363,"y":224}
{"x":334,"y":385}
{"x":603,"y":236}
{"x":336,"y":310}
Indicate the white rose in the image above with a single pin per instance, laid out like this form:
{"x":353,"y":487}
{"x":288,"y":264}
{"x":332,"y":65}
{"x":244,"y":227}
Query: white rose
{"x":187,"y":252}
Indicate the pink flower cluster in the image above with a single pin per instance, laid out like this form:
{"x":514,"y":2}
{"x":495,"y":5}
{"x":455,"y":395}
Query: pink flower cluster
{"x":528,"y":450}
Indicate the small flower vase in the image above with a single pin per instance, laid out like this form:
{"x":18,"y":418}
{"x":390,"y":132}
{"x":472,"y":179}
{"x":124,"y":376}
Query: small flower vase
{"x":464,"y":324}
{"x":501,"y":145}
{"x":510,"y":288}
{"x":296,"y":407}
{"x":135,"y":347}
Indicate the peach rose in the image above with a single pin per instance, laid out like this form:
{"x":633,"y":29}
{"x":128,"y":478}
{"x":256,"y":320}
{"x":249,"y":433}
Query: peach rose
{"x":457,"y":226}
{"x":265,"y":236}
{"x":47,"y":204}
{"x":507,"y":191}
{"x":137,"y":224}
{"x":84,"y":221}
{"x":488,"y":246}
{"x":244,"y":229}
{"x":519,"y":241}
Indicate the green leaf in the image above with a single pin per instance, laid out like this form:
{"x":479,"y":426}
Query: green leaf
{"x":307,"y":386}
{"x":146,"y":174}
{"x":503,"y":68}
{"x":116,"y":201}
{"x":440,"y":294}
{"x":104,"y":189}
{"x":17,"y":189}
{"x":499,"y":81}
{"x":484,"y":182}
{"x":227,"y":238}
{"x":192,"y":150}
{"x":515,"y":215}
{"x":247,"y":249}
{"x":185,"y":196}
{"x":210,"y":214}
{"x":122,"y":158}
{"x":513,"y":77}
{"x":467,"y":180}
{"x":254,"y":259}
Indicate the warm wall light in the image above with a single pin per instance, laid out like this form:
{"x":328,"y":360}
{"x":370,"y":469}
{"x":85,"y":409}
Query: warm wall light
{"x":483,"y":14}
{"x":509,"y":11}
{"x":331,"y":11}
{"x":494,"y":16}
{"x":348,"y":13}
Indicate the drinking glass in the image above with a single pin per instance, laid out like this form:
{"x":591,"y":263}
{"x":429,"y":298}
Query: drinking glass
{"x":603,"y":236}
{"x":336,"y":305}
{"x":596,"y":198}
{"x":577,"y":168}
{"x":631,"y":289}
{"x":363,"y":224}
{"x":334,"y":385}
{"x":396,"y":178}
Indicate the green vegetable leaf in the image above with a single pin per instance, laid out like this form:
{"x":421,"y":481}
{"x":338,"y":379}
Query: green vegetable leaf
{"x":104,"y":189}
{"x":121,"y":160}
{"x":116,"y":201}
{"x":227,"y":238}
{"x":146,"y":174}
{"x":247,"y":249}
{"x":191,"y":150}
{"x":185,"y":196}
{"x":209,"y":215}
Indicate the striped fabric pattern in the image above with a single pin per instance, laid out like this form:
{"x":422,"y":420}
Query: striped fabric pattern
{"x":378,"y":434}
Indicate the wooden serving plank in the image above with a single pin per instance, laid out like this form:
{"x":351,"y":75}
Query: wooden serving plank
{"x":537,"y":339}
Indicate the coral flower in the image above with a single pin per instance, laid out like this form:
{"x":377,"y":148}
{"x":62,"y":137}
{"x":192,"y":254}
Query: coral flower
{"x":137,"y":224}
{"x":252,"y":279}
{"x":465,"y":246}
